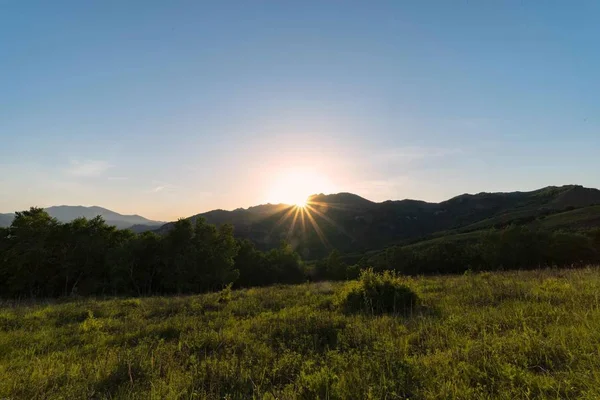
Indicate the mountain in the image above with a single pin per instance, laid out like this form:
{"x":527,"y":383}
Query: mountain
{"x":6,"y":219}
{"x":350,"y":223}
{"x":341,"y":199}
{"x":353,"y":224}
{"x":69,"y":213}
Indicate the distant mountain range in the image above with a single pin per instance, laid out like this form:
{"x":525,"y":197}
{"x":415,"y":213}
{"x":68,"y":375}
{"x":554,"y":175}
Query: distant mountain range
{"x":353,"y":224}
{"x":350,"y":223}
{"x":69,"y":213}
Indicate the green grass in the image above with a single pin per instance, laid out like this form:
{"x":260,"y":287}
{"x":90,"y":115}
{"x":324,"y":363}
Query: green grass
{"x":514,"y":335}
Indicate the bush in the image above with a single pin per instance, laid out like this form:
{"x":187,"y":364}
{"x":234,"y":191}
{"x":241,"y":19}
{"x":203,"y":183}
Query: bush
{"x":376,"y":293}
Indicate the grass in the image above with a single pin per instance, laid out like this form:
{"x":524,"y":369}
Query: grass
{"x":513,"y":335}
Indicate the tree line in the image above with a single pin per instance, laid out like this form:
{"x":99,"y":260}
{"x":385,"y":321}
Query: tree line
{"x":511,"y":247}
{"x":41,"y":257}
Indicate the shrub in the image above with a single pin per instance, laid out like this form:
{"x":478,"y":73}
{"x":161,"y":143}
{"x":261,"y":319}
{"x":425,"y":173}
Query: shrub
{"x":224,"y":296}
{"x":377,"y":293}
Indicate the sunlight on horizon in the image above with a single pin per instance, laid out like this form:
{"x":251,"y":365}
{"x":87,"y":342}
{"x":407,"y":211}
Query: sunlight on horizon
{"x":293,"y":186}
{"x":308,"y":211}
{"x":301,"y":203}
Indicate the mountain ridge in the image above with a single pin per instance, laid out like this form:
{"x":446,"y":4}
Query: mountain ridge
{"x":65,"y":213}
{"x":352,"y":223}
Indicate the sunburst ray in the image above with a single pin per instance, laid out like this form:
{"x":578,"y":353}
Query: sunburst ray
{"x":291,"y":230}
{"x":331,"y":221}
{"x":317,"y":229}
{"x":303,"y":222}
{"x":338,"y":206}
{"x":283,"y":218}
{"x":276,"y":209}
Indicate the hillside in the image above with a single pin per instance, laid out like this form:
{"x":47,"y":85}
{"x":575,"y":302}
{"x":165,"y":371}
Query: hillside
{"x":515,"y":335}
{"x":351,"y":223}
{"x":6,"y":219}
{"x":585,"y":217}
{"x":69,"y":213}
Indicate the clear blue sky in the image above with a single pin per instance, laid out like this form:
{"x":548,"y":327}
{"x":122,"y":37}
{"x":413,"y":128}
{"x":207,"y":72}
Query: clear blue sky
{"x":170,"y":108}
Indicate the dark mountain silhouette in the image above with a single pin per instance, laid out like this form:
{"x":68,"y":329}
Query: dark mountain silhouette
{"x":347,"y":200}
{"x":69,"y":213}
{"x":351,"y":223}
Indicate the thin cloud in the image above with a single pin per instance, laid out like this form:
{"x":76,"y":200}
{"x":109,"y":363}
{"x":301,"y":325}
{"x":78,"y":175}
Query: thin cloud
{"x":117,"y":178}
{"x":400,"y":187}
{"x":163,"y":187}
{"x":88,"y":168}
{"x":383,"y":189}
{"x":410,"y":154}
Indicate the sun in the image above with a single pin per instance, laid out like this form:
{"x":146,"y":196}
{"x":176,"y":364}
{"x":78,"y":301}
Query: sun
{"x":301,"y":202}
{"x":293,"y":186}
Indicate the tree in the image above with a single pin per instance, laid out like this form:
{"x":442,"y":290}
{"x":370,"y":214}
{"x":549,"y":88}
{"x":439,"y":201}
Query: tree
{"x":178,"y":256}
{"x":336,"y":268}
{"x":42,"y":257}
{"x":215,"y":253}
{"x":284,"y":264}
{"x":251,"y":265}
{"x":30,"y":253}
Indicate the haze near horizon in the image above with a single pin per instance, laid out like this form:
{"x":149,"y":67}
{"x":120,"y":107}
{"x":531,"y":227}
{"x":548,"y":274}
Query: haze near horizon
{"x":168,"y":110}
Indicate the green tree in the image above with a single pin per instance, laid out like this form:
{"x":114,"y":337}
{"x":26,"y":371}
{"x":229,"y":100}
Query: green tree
{"x":284,"y":264}
{"x":251,"y":265}
{"x":215,"y":253}
{"x":178,"y":256}
{"x":336,"y":268}
{"x":30,"y":254}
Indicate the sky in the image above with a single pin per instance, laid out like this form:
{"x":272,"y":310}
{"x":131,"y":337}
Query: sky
{"x":171,"y":108}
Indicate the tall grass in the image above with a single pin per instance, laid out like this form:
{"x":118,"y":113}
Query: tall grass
{"x":514,"y":335}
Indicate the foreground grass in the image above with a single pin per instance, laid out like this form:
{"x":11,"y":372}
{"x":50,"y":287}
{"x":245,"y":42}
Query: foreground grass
{"x":510,"y":335}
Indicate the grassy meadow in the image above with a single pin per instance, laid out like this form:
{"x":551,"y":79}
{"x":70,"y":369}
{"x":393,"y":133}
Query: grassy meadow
{"x":505,"y":335}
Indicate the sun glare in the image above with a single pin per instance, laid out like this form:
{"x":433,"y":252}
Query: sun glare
{"x":294,"y":186}
{"x":300,"y":203}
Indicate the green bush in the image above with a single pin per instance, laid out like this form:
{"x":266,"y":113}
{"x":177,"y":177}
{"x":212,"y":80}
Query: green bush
{"x":377,"y":293}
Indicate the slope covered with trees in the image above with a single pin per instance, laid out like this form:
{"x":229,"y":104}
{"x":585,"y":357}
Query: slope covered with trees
{"x":351,"y":224}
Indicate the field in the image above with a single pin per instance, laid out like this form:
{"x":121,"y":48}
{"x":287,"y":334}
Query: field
{"x":516,"y":335}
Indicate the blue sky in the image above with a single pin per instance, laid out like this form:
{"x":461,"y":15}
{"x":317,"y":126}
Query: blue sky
{"x":167,"y":109}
